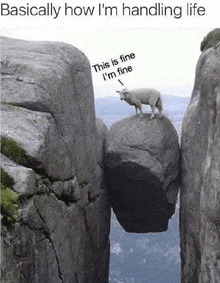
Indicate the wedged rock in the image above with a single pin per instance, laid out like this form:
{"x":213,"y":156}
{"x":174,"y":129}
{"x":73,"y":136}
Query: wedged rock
{"x":200,"y":189}
{"x":61,"y":230}
{"x":142,"y":170}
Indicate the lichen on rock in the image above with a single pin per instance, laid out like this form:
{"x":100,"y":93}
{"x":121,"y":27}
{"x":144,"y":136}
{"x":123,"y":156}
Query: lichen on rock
{"x":9,"y":200}
{"x":211,"y":39}
{"x":12,"y":150}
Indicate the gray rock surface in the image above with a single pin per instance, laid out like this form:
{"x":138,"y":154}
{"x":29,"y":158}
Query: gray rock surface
{"x":200,"y":191}
{"x":61,"y":233}
{"x":142,"y":170}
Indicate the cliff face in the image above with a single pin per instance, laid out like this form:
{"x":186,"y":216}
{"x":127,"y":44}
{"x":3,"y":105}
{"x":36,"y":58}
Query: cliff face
{"x":55,"y":205}
{"x":142,"y":170}
{"x":60,"y":232}
{"x":200,"y":192}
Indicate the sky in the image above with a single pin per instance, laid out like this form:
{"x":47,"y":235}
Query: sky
{"x":164,"y":59}
{"x":161,"y":54}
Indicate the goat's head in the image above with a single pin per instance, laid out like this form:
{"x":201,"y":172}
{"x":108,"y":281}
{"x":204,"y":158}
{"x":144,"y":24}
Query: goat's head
{"x":123,"y":93}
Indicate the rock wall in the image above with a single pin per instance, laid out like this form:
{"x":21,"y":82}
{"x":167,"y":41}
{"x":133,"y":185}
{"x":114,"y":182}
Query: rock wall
{"x":200,"y":191}
{"x":61,"y":230}
{"x":142,"y":171}
{"x":56,"y":215}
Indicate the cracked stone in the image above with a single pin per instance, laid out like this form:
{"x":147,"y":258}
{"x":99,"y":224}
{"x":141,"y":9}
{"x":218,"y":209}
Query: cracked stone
{"x":64,"y":211}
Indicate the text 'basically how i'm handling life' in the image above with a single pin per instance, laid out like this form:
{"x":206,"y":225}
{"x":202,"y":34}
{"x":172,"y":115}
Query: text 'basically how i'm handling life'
{"x":49,"y":9}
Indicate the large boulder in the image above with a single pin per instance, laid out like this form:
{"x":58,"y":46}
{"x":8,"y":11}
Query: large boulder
{"x":200,"y":190}
{"x":56,"y":214}
{"x":142,"y":170}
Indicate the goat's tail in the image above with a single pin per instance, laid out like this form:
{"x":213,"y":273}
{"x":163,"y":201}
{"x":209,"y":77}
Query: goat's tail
{"x":159,"y":104}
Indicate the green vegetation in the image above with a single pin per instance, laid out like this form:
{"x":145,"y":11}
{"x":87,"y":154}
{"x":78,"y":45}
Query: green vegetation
{"x":12,"y":150}
{"x":6,"y":180}
{"x":9,"y":199}
{"x":210,"y":40}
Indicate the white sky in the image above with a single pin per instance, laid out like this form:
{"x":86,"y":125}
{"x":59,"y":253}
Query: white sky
{"x":166,"y":51}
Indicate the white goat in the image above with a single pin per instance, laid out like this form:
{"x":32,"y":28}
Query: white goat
{"x":137,"y":97}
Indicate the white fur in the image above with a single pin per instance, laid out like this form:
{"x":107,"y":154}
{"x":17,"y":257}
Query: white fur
{"x":137,"y":97}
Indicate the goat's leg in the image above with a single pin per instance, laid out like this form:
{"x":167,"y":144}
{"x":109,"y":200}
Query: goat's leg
{"x":140,"y":108}
{"x":161,"y":113}
{"x":136,"y":110}
{"x":153,"y":108}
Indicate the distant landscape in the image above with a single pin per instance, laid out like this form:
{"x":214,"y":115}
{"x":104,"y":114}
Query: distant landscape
{"x":144,"y":258}
{"x":111,"y":109}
